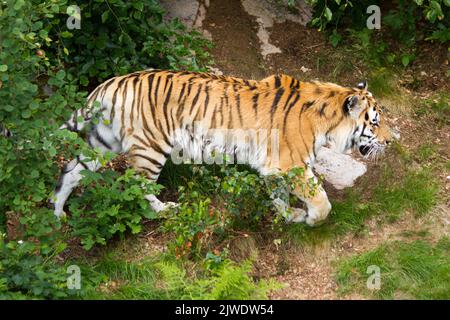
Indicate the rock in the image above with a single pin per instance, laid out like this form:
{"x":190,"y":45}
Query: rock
{"x":267,"y":13}
{"x":341,"y":170}
{"x":185,"y":10}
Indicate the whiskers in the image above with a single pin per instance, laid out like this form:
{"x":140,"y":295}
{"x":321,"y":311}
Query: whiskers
{"x":375,"y":151}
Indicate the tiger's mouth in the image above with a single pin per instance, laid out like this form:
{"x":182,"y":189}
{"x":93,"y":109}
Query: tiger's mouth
{"x":372,"y":151}
{"x":364,"y":150}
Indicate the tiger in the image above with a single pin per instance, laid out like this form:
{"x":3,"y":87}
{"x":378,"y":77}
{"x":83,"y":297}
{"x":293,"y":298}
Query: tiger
{"x":149,"y":114}
{"x":4,"y":131}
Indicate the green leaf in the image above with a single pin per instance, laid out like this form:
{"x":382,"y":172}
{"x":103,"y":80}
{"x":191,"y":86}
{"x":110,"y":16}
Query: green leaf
{"x":3,"y":67}
{"x":8,"y":108}
{"x":328,"y":14}
{"x":405,"y":60}
{"x":19,"y":4}
{"x":60,"y":74}
{"x":66,"y":34}
{"x":105,"y":16}
{"x":26,"y":114}
{"x":139,"y":5}
{"x":335,"y":38}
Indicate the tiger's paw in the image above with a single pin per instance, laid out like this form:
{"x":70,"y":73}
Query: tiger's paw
{"x":170,"y":205}
{"x":60,"y":214}
{"x":297,"y":215}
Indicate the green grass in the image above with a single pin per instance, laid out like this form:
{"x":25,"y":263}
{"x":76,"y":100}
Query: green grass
{"x":382,"y":82}
{"x":437,"y":107}
{"x":417,"y":270}
{"x":426,"y":151}
{"x":164,"y":277}
{"x":391,"y":197}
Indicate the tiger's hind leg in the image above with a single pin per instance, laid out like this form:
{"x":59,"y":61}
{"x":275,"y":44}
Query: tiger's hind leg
{"x":101,"y":137}
{"x":150,"y":162}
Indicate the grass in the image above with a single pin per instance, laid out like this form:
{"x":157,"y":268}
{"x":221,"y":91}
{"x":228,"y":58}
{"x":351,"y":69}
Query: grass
{"x":437,"y":107}
{"x":164,"y":277}
{"x":417,"y":270}
{"x":382,"y":82}
{"x":426,"y":151}
{"x":390,"y":198}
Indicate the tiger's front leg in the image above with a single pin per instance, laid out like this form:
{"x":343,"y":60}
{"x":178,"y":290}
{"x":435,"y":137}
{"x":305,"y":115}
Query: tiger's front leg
{"x":312,"y":193}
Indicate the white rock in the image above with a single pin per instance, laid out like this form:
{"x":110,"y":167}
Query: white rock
{"x":341,"y":170}
{"x":185,"y":10}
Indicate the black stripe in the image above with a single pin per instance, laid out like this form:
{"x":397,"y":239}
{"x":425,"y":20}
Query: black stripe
{"x":322,"y":109}
{"x":166,"y":102}
{"x":307,"y":105}
{"x":151,"y":160}
{"x":156,"y":91}
{"x":221,"y":110}
{"x":100,"y":139}
{"x":158,"y":149}
{"x":289,"y":110}
{"x":206,"y":100}
{"x":291,"y":94}
{"x":149,"y":170}
{"x":181,"y":93}
{"x":133,"y":102}
{"x":194,"y":102}
{"x":255,"y":103}
{"x":238,"y":104}
{"x":276,"y":100}
{"x":114,"y":99}
{"x":277,"y":81}
{"x":82,"y":163}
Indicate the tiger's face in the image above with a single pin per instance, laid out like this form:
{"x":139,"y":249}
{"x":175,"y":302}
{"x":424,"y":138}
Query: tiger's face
{"x":370,"y":134}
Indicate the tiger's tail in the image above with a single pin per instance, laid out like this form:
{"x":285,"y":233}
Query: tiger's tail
{"x":5,"y":131}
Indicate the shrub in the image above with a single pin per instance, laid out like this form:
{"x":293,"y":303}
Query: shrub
{"x":44,"y":70}
{"x":406,"y":21}
{"x":111,"y":204}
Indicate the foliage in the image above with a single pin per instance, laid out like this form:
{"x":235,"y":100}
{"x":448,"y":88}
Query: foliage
{"x":163,"y":278}
{"x":44,"y":70}
{"x":406,"y":22}
{"x":417,"y":270}
{"x":214,"y":199}
{"x":28,"y":268}
{"x":111,"y":204}
{"x":135,"y":36}
{"x":218,"y":199}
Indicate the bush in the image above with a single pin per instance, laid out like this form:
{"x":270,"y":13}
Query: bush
{"x":406,"y":21}
{"x":45,"y":69}
{"x":111,"y":204}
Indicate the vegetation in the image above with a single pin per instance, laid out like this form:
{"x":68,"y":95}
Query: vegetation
{"x":416,"y":269}
{"x":46,"y":71}
{"x":166,"y":278}
{"x":401,"y":24}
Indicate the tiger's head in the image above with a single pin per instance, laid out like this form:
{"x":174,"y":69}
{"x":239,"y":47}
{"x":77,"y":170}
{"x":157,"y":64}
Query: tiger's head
{"x":366,"y":119}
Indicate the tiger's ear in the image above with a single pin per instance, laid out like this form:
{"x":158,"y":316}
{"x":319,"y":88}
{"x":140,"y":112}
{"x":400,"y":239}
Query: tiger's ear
{"x":362,"y":85}
{"x":351,"y":107}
